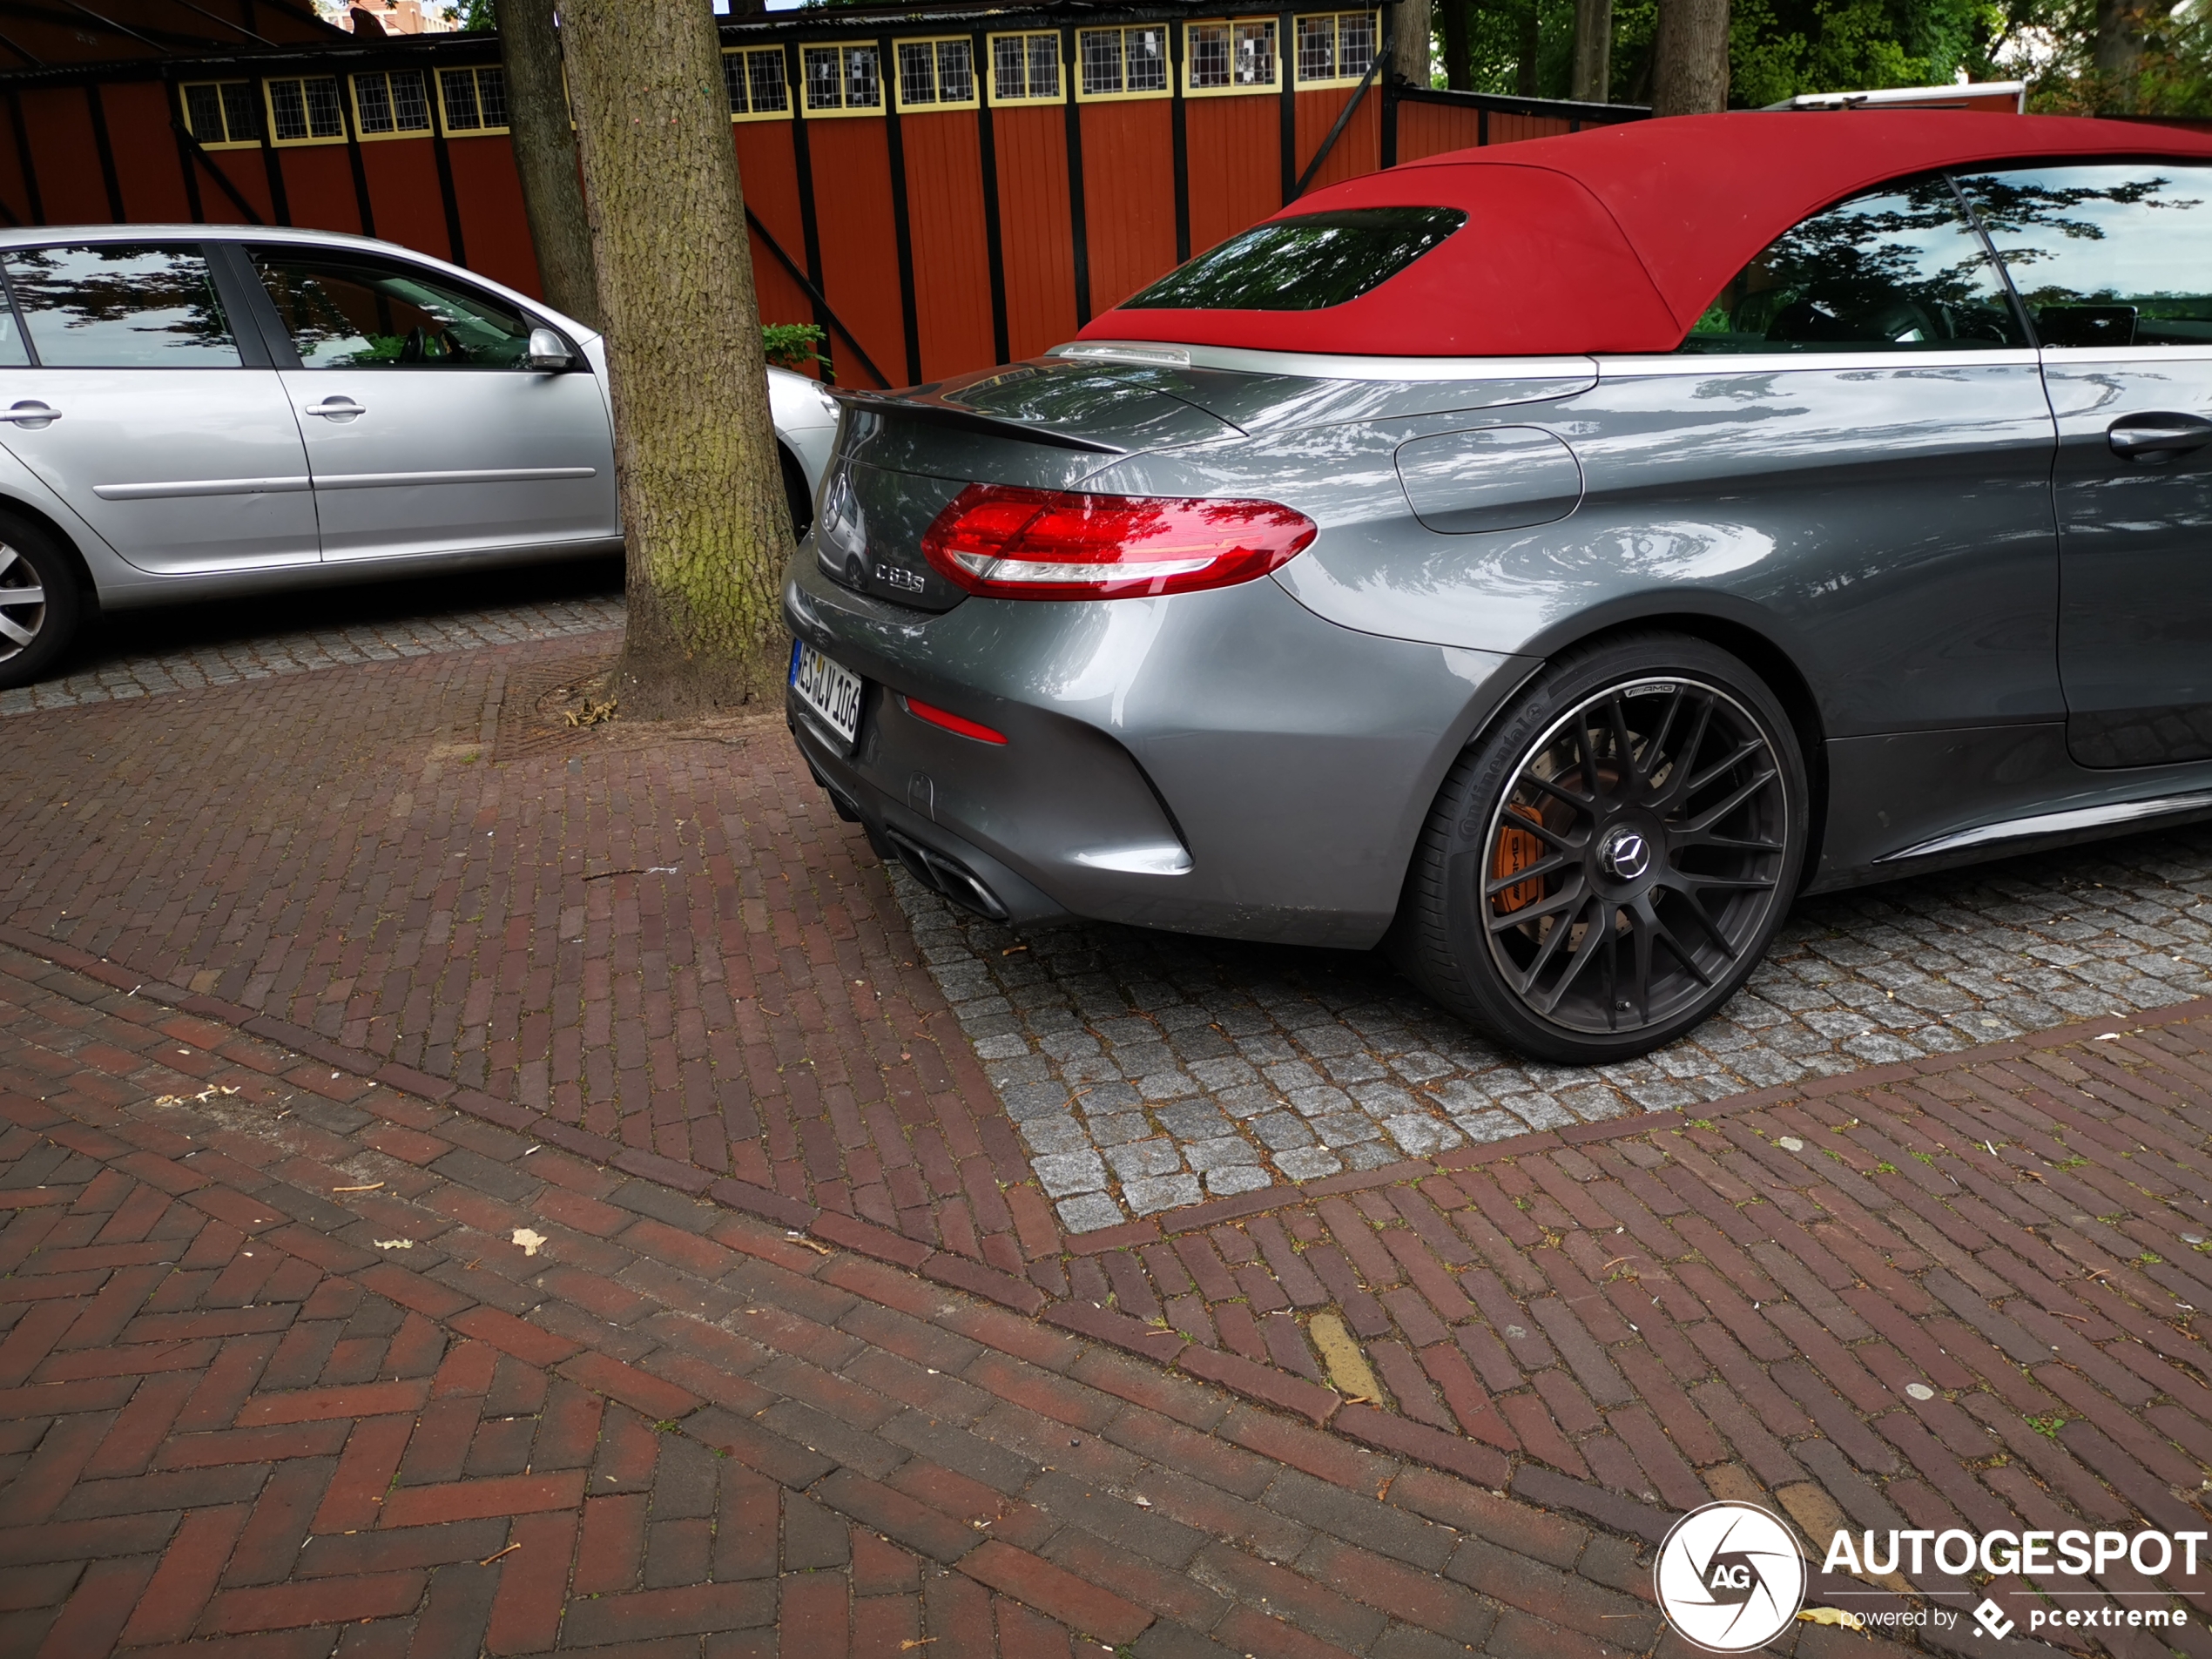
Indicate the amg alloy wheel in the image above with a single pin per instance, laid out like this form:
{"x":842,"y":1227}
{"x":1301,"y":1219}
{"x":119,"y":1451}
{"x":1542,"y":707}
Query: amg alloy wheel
{"x":38,"y":603}
{"x":1603,"y":870}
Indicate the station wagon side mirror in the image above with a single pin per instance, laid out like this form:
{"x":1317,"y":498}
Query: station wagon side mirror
{"x":548,"y":354}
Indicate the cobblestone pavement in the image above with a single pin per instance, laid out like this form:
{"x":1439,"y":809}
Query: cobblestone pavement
{"x":292,"y":1363}
{"x":144,"y":653}
{"x":1148,"y":1070}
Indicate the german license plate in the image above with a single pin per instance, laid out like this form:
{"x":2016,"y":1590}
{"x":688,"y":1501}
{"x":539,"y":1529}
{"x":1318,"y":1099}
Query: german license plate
{"x":830,"y":691}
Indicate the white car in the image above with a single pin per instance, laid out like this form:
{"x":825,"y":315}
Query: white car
{"x":191,"y":411}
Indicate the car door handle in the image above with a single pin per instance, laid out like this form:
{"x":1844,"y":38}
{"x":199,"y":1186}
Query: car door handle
{"x":344,"y":408}
{"x":2136,"y":436}
{"x":31,"y":413}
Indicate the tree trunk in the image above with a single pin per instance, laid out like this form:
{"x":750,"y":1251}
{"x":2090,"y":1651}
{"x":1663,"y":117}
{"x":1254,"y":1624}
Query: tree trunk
{"x":1411,"y":43}
{"x":537,"y":111}
{"x":695,"y":454}
{"x":1593,"y":79}
{"x":1690,"y":59}
{"x":1524,"y":72}
{"x":1459,"y":46}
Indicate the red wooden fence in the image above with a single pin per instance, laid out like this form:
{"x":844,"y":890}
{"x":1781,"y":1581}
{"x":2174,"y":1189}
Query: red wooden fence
{"x":939,"y":191}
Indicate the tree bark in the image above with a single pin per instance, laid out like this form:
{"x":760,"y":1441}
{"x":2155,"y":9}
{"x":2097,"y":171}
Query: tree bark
{"x":1689,"y":61}
{"x":1410,"y":43}
{"x":537,"y":113}
{"x":695,"y":454}
{"x":1593,"y":79}
{"x":1531,"y":24}
{"x":1459,"y":46}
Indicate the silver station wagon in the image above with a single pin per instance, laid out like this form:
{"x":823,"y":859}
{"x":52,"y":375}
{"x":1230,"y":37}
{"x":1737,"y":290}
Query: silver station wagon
{"x":188,"y":412}
{"x":1546,"y":561}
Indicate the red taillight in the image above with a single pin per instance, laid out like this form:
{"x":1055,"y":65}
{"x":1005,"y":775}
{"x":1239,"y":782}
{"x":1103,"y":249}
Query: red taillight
{"x":1009,"y":543}
{"x":951,"y":722}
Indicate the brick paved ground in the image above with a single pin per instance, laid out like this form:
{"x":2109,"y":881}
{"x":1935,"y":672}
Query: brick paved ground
{"x":145,"y":653}
{"x":1140,"y":1063}
{"x":296,"y":1364}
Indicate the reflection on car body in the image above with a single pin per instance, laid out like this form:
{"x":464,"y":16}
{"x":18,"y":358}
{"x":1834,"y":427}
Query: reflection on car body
{"x":1626,"y":533}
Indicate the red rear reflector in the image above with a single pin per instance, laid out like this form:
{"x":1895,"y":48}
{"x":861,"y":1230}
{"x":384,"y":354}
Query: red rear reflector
{"x":951,"y":722}
{"x":1010,"y":543}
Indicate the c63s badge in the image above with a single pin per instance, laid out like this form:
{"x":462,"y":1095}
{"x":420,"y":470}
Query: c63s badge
{"x":1729,"y":1577}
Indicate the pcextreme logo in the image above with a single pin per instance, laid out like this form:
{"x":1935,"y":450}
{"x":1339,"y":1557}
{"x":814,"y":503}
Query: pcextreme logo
{"x":1729,"y":1577}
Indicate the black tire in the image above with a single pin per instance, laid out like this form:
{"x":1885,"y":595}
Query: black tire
{"x":797,"y":496}
{"x":1586,"y":925}
{"x":32,"y":563}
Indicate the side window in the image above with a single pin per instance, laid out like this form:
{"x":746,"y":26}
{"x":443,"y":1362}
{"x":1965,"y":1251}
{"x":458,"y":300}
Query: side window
{"x":1898,"y":269}
{"x":2114,"y":254}
{"x":121,"y":305}
{"x":345,"y":311}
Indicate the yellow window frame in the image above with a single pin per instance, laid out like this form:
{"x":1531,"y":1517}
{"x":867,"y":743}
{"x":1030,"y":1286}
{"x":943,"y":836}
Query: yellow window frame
{"x":844,"y":80}
{"x":1024,"y":100}
{"x":746,"y":55}
{"x":1235,"y":26}
{"x":268,"y":110}
{"x":475,"y":73}
{"x":1122,"y":32}
{"x":1336,"y":18}
{"x":933,"y":106}
{"x":430,"y":98}
{"x":223,"y":141}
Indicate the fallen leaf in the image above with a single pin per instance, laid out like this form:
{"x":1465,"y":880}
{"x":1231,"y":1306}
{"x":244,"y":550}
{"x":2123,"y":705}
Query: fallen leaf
{"x":1843,"y":1616}
{"x":393,"y":1244}
{"x":531,"y":1242}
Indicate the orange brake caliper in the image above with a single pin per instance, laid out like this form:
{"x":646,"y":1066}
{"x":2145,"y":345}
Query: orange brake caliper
{"x":1517,"y":851}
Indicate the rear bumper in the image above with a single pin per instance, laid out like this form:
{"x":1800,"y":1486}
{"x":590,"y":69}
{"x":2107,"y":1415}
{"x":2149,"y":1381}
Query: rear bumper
{"x":1222,"y":763}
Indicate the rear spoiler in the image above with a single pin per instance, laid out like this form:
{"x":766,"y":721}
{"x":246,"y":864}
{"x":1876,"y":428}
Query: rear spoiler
{"x":953,"y":414}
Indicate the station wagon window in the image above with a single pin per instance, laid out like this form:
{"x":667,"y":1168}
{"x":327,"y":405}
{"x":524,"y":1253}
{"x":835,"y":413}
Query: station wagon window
{"x":1025,"y":68}
{"x":394,"y":104}
{"x":2109,"y":254}
{"x":346,"y":311}
{"x":937,"y":74}
{"x":223,"y":115}
{"x":121,"y":305}
{"x":1308,"y":263}
{"x":1335,"y":47}
{"x":1897,"y":269}
{"x":1122,"y":63}
{"x":473,"y":101}
{"x":754,"y":79}
{"x":305,"y":110}
{"x":842,"y":80}
{"x":1230,"y":57}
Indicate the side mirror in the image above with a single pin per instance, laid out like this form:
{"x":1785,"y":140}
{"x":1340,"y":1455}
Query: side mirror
{"x":548,"y":354}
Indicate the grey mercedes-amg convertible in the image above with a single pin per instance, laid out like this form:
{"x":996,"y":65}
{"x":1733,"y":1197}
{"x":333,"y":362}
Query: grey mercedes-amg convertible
{"x":1547,"y":560}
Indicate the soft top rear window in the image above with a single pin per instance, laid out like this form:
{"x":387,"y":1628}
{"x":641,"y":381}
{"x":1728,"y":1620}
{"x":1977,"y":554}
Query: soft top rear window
{"x":1303,"y":264}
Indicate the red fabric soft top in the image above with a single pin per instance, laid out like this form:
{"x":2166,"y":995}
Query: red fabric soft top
{"x":1616,"y":241}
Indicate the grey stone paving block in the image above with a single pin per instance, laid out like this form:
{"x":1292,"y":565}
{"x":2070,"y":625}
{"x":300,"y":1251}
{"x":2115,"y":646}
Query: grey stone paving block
{"x":1156,"y":1193}
{"x":1062,"y":1173}
{"x":1089,"y":1213}
{"x":1143,"y":1158}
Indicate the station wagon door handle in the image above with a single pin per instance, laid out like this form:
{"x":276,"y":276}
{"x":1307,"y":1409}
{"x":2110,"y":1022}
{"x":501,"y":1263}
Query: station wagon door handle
{"x":2134,"y":437}
{"x":32,"y":413}
{"x":344,"y":408}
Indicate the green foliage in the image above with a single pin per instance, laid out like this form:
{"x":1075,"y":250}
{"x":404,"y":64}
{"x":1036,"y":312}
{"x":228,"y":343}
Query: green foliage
{"x":792,"y":345}
{"x":477,"y":18}
{"x":1777,"y":48}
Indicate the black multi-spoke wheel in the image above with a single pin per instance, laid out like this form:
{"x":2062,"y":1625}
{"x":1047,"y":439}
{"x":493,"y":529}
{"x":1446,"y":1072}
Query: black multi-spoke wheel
{"x":1603,"y":870}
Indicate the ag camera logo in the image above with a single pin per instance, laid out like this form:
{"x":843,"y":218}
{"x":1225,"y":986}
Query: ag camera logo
{"x":1729,"y":1577}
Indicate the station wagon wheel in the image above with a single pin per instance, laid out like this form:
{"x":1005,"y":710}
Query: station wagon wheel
{"x":38,"y":603}
{"x":1605,"y":870}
